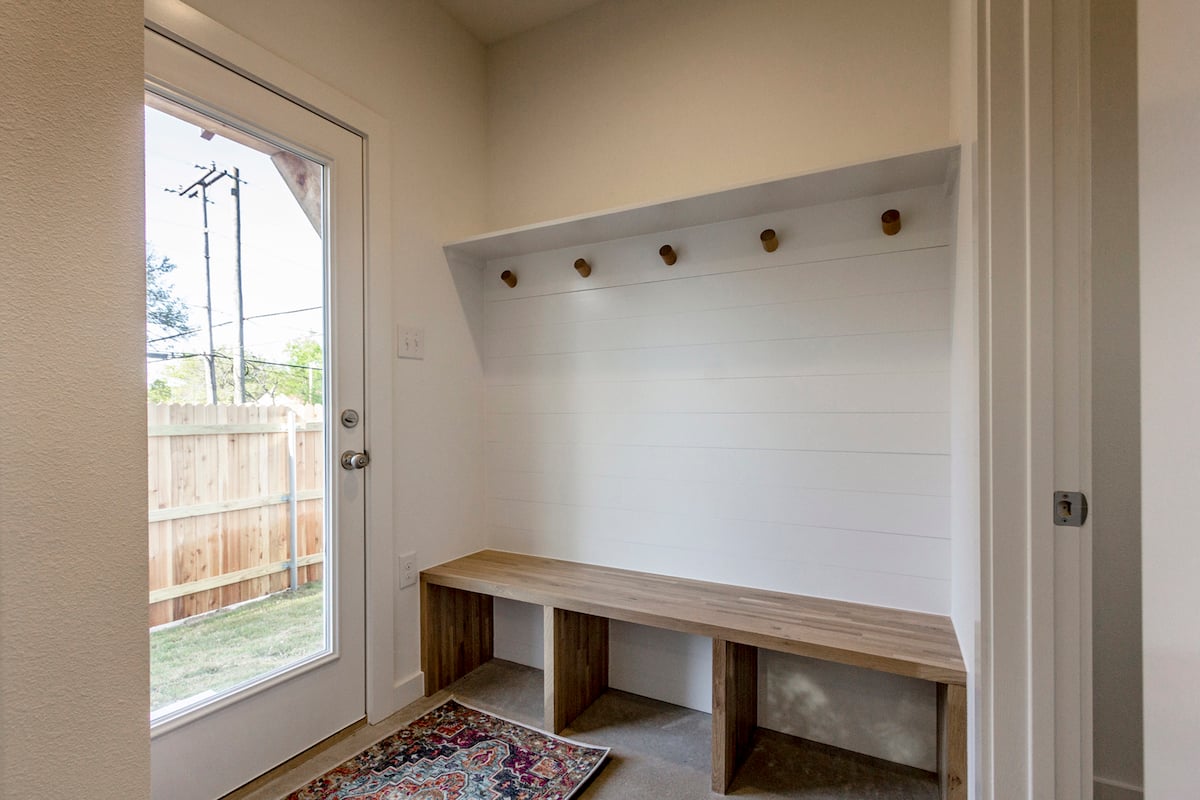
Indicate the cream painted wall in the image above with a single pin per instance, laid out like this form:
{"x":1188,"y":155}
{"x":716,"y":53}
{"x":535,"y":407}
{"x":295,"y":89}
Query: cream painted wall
{"x":628,"y":102}
{"x":74,"y":654}
{"x":410,"y":62}
{"x":1169,"y":173}
{"x":1116,"y":526}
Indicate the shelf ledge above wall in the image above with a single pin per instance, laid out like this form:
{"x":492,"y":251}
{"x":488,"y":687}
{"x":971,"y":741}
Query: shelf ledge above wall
{"x":927,"y":168}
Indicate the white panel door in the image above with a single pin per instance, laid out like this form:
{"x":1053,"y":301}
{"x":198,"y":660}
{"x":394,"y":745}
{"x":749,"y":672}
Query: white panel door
{"x":297,"y":356}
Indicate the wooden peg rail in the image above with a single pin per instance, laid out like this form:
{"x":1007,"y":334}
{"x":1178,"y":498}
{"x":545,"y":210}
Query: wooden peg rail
{"x":768,"y":238}
{"x":770,"y":241}
{"x":890,"y":220}
{"x":580,"y":599}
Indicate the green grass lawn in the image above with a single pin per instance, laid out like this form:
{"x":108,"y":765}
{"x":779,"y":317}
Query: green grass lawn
{"x":218,"y":650}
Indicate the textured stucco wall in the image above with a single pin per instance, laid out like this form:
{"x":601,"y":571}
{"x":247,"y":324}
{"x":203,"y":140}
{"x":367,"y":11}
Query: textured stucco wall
{"x":73,"y":645}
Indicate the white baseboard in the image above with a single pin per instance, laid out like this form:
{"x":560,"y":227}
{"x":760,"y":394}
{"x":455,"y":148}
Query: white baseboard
{"x":407,"y":690}
{"x":1106,"y":789}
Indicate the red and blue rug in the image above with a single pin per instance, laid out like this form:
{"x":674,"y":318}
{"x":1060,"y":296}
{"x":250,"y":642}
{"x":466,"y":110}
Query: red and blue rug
{"x":460,"y":753}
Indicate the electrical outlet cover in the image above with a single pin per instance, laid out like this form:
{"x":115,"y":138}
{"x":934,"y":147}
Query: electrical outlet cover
{"x":407,"y":564}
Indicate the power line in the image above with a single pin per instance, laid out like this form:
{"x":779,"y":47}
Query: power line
{"x":179,"y":356}
{"x":184,"y":333}
{"x":283,"y":313}
{"x":281,"y":364}
{"x":230,"y":322}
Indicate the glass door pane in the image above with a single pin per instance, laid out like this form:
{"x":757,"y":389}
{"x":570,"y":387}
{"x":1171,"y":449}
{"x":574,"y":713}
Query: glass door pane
{"x":235,"y":366}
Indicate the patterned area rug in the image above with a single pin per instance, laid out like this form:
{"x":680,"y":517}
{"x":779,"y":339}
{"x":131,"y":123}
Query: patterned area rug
{"x":460,"y":753}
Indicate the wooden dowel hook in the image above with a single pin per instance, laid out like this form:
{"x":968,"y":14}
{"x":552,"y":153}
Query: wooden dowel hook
{"x":890,"y":221}
{"x":770,"y":241}
{"x":583,"y":267}
{"x":509,"y":277}
{"x":668,"y":255}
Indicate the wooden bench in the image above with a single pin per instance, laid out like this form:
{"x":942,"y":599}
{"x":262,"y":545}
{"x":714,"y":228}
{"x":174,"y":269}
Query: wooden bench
{"x":580,"y":599}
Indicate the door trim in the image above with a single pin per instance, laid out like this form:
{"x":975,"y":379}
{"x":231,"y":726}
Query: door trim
{"x":1035,"y":659}
{"x":187,"y":26}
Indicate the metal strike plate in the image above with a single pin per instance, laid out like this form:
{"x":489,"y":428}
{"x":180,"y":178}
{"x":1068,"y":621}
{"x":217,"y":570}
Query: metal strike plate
{"x":1070,"y":508}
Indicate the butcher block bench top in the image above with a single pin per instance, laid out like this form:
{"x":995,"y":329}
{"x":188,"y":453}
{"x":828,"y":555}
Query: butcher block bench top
{"x":885,"y":639}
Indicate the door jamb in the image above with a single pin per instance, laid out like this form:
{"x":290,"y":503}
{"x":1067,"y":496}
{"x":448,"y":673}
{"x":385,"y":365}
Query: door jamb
{"x":1072,"y":143}
{"x":1034,"y":193}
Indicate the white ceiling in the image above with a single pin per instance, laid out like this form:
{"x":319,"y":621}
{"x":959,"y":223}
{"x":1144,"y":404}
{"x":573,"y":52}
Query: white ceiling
{"x":493,"y":20}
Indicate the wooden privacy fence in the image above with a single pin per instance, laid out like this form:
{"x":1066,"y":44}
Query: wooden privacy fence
{"x":231,"y":489}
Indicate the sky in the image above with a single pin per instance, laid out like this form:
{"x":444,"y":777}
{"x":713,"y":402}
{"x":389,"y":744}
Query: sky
{"x":282,"y":256}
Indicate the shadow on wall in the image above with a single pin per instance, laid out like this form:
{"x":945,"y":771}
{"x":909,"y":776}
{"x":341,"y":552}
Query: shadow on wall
{"x":848,"y":707}
{"x":468,"y":280}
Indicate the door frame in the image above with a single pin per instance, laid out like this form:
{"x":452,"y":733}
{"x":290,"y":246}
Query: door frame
{"x":187,"y":26}
{"x":1035,"y":729}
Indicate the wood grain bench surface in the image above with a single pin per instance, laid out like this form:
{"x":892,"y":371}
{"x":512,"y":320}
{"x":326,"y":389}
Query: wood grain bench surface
{"x":885,"y":639}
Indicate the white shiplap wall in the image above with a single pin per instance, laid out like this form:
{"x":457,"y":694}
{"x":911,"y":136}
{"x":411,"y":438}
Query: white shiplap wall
{"x":773,"y":420}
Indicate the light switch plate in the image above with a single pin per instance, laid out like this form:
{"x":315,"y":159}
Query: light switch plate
{"x":410,"y":342}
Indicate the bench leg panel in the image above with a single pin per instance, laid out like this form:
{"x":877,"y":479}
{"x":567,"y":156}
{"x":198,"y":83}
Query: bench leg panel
{"x":734,"y":708}
{"x":952,"y":741}
{"x":456,"y":634}
{"x":576,"y":652}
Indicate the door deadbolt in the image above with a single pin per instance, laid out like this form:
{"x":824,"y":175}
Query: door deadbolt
{"x":349,"y":418}
{"x":353,"y":460}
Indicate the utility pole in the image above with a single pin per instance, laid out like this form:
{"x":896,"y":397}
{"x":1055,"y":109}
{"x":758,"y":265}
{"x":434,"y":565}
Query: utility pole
{"x":239,"y":359}
{"x":199,"y":188}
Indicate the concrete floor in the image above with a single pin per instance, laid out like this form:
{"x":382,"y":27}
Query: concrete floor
{"x":659,"y":751}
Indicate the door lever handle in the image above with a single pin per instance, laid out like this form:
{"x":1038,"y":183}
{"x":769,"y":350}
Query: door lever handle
{"x":353,"y":460}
